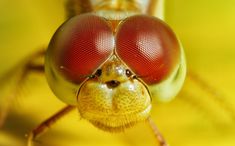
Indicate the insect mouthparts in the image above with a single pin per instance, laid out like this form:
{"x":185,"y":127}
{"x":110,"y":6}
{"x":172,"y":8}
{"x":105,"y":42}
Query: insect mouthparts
{"x":112,"y":83}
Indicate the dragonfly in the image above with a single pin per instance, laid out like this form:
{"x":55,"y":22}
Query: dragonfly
{"x":91,"y":84}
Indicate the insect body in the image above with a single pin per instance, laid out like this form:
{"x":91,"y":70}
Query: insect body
{"x":109,"y":60}
{"x":107,"y":69}
{"x":109,"y":65}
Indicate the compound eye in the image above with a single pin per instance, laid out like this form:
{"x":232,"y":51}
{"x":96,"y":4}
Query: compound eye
{"x":149,"y":47}
{"x":80,"y":46}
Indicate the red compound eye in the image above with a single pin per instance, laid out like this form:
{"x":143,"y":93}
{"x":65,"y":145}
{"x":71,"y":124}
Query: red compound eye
{"x":148,"y":46}
{"x":80,"y":46}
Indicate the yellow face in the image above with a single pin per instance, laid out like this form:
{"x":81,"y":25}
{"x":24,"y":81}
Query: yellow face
{"x":114,"y":98}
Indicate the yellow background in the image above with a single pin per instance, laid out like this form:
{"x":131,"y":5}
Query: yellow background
{"x":206,"y":29}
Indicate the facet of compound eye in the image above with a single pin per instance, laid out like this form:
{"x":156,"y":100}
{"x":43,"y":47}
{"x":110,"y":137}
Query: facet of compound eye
{"x":75,"y":52}
{"x":80,"y":46}
{"x":149,"y":47}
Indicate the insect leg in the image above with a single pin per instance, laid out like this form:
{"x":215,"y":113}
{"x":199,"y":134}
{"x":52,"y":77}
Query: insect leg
{"x":214,"y":94}
{"x":48,"y":123}
{"x":156,"y":132}
{"x":15,"y":78}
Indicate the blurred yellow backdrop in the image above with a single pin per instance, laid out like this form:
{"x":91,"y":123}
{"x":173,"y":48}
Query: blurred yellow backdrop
{"x":207,"y":31}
